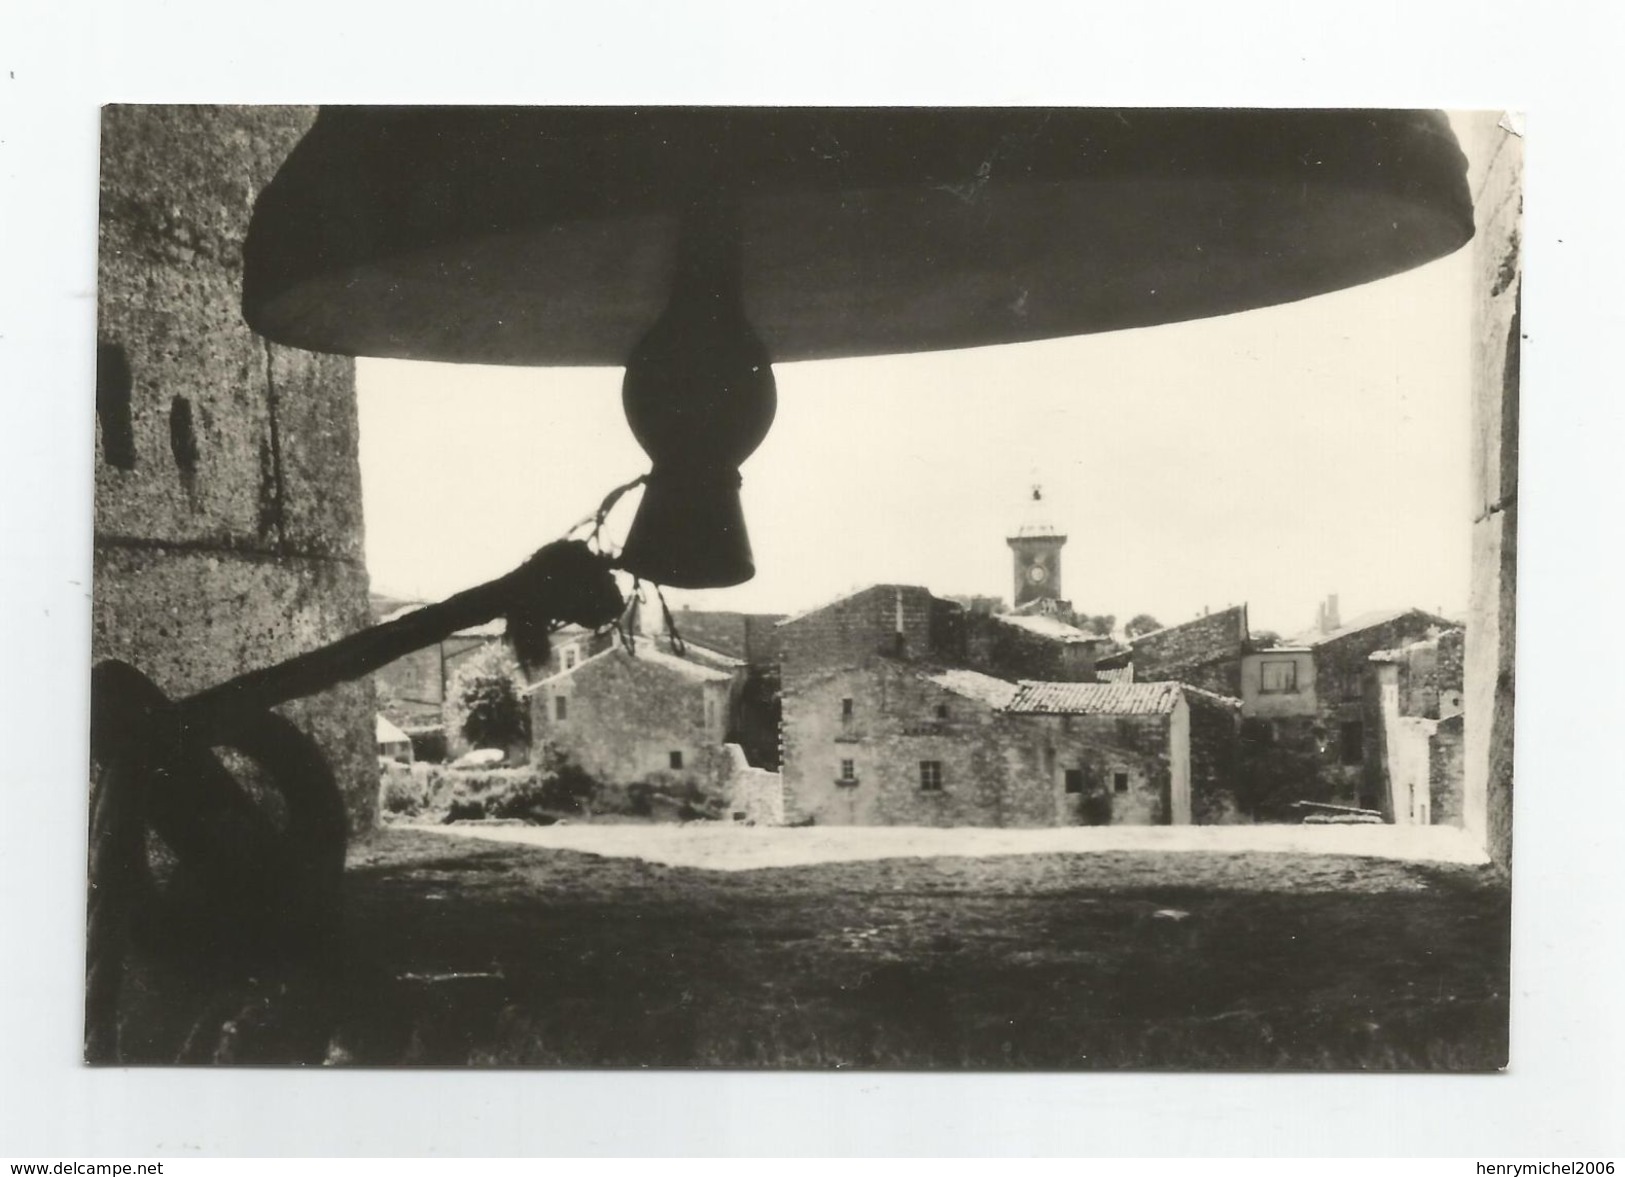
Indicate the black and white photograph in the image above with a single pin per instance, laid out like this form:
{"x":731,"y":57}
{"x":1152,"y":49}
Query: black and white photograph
{"x":740,"y":582}
{"x":897,"y":588}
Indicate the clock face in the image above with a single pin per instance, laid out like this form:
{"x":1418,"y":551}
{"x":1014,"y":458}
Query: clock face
{"x":1037,"y":573}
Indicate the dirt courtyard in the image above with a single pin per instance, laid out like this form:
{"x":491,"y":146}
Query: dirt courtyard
{"x":468,"y":946}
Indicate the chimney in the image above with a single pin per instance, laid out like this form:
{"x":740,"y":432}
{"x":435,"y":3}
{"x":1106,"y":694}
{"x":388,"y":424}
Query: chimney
{"x":1326,"y":618}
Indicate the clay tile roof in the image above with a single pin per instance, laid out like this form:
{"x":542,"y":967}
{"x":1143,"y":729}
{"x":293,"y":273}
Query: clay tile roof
{"x":1211,"y":696}
{"x":984,"y":688}
{"x":1095,"y":698}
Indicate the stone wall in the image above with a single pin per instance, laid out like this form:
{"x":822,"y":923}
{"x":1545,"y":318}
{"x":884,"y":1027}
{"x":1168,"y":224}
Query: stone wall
{"x":412,"y":690}
{"x":625,"y":716}
{"x":1203,"y":653}
{"x":1419,"y":679}
{"x":228,"y":530}
{"x":1446,"y":749}
{"x":1496,"y":178}
{"x":755,"y":795}
{"x":1452,"y":648}
{"x":1409,"y":764}
{"x":1342,"y":664}
{"x":1215,"y":727}
{"x":997,"y":769}
{"x":750,"y":637}
{"x":889,"y":726}
{"x":1006,"y":650}
{"x":757,"y":714}
{"x":1417,"y":765}
{"x":1345,"y":691}
{"x":881,"y":621}
{"x":1428,"y":676}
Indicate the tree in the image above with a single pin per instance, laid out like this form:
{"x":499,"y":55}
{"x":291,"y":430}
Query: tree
{"x":1140,"y":624}
{"x":487,"y":708}
{"x":1101,"y":625}
{"x":1264,"y":639}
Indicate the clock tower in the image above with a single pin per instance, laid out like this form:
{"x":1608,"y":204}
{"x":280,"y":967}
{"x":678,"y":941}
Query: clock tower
{"x":1036,"y":546}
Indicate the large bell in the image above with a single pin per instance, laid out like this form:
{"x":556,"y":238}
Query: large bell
{"x":696,"y":245}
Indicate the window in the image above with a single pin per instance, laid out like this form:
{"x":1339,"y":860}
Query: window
{"x":942,"y":711}
{"x":561,"y":708}
{"x":846,"y":710}
{"x":931,"y":776}
{"x":569,"y":658}
{"x":1351,"y":745}
{"x":676,"y":759}
{"x":849,"y":770}
{"x":1074,"y":780}
{"x":710,"y":712}
{"x":1277,"y":676}
{"x":1120,"y":782}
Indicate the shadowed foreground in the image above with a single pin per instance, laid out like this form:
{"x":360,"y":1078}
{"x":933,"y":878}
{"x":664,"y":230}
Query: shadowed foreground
{"x":463,"y":951}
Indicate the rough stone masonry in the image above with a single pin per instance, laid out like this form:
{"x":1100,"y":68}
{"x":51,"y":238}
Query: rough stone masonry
{"x":1491,"y":608}
{"x":228,"y":487}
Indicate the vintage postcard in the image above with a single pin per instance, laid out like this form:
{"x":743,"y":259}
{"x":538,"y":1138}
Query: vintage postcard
{"x":895,"y":588}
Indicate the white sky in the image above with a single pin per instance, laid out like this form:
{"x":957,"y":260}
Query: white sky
{"x":1269,"y":457}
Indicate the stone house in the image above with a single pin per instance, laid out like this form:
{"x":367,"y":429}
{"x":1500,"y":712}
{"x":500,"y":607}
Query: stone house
{"x":1183,"y":737}
{"x":413,"y":689}
{"x":1031,"y":645}
{"x":754,"y":796}
{"x":1303,"y":702}
{"x":752,"y":638}
{"x":626,"y":716}
{"x":572,"y":645}
{"x":393,"y":744}
{"x":1414,"y":709}
{"x":748,"y":639}
{"x":880,"y":728}
{"x":1307,"y":697}
{"x":1205,"y":652}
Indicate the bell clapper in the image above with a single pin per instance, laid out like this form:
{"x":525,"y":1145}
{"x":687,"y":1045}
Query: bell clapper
{"x":699,"y":395}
